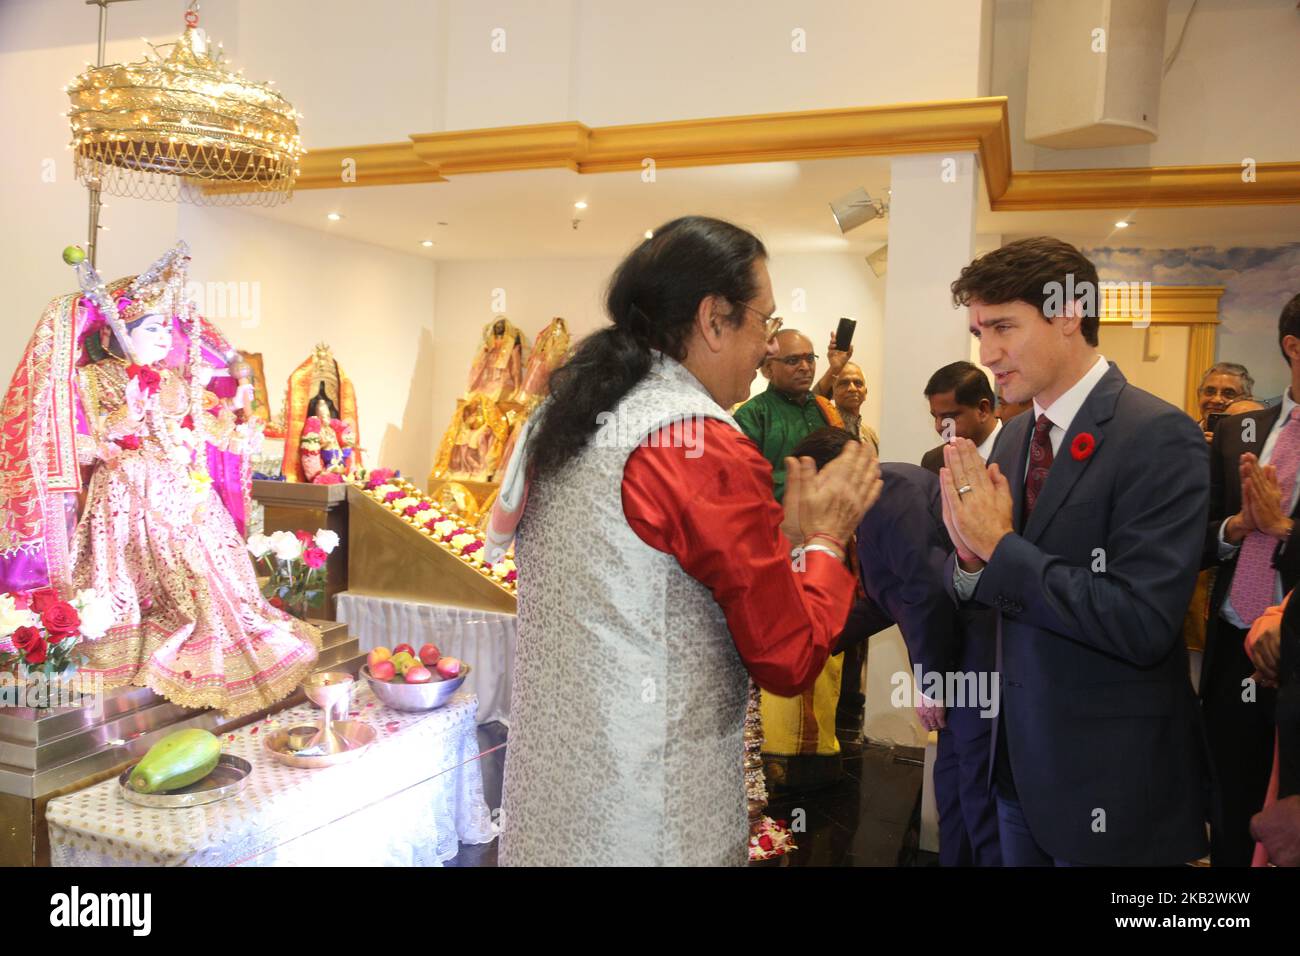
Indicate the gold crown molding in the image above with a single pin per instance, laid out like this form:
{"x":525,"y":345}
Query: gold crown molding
{"x":978,"y":125}
{"x":1149,"y":186}
{"x":974,"y":125}
{"x":1167,"y":305}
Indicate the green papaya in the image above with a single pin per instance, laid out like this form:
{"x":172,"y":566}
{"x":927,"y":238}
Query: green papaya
{"x":176,"y":761}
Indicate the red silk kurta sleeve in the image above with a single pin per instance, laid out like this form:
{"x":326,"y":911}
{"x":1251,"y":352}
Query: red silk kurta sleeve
{"x":716,"y":515}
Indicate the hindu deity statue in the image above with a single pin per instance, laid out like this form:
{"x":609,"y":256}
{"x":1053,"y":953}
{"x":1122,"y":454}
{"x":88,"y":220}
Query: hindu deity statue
{"x":550,"y":350}
{"x":497,"y":370}
{"x":127,"y":396}
{"x":320,"y":421}
{"x":473,"y":444}
{"x":327,"y":442}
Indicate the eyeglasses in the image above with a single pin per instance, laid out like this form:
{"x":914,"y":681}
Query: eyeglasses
{"x":1228,"y":394}
{"x":771,"y":323}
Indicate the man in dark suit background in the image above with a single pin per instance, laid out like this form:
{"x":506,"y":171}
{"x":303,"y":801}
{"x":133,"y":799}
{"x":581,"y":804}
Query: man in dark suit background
{"x":902,"y":546}
{"x":1084,"y":533}
{"x":962,"y":406}
{"x":1253,"y":508}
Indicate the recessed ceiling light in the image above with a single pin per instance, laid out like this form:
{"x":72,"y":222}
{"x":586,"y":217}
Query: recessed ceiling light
{"x":1122,"y":224}
{"x":649,"y":234}
{"x":333,"y":216}
{"x":441,"y":223}
{"x":427,"y":243}
{"x":579,"y":205}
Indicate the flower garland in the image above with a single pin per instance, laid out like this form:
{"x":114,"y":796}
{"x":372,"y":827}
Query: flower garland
{"x":445,"y":529}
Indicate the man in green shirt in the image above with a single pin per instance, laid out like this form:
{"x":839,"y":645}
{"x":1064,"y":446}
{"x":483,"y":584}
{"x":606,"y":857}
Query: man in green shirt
{"x":788,"y":411}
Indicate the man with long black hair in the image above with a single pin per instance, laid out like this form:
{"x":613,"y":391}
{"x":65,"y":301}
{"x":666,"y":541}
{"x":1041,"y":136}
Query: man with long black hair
{"x":655,"y":569}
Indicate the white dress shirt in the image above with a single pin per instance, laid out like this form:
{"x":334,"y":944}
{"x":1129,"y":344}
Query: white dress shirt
{"x":1061,"y":414}
{"x":986,"y":447}
{"x":1226,"y":550}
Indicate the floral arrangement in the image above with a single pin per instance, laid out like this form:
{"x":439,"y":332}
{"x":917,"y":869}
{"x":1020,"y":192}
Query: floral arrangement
{"x":770,"y":839}
{"x":296,"y":561}
{"x":39,"y":631}
{"x":444,"y":528}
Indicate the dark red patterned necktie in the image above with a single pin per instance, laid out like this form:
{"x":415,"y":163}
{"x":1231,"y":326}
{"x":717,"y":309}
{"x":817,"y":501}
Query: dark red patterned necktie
{"x":1040,"y":462}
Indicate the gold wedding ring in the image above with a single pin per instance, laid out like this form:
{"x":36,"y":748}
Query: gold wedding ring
{"x":962,"y":490}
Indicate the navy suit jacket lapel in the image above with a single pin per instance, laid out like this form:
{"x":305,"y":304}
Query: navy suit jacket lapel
{"x":1098,"y":407}
{"x":1014,"y":469}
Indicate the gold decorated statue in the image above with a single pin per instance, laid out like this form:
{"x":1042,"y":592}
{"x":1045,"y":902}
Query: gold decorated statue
{"x":550,"y":349}
{"x":320,"y":421}
{"x":474,"y":442}
{"x":497,"y":370}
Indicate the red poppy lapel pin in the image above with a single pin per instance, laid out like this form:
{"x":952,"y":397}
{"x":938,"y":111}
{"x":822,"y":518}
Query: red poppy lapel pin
{"x":1083,"y":446}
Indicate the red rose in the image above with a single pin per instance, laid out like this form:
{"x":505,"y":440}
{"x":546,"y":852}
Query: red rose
{"x":306,"y":537}
{"x":765,"y":842}
{"x":1082,"y":446}
{"x":25,"y":637}
{"x":315,"y":558}
{"x":35,"y":654}
{"x":128,"y":442}
{"x":277,"y":603}
{"x":148,"y":378}
{"x":411,"y":511}
{"x":327,"y":478}
{"x":393,"y":496}
{"x":42,"y":600}
{"x":188,"y":422}
{"x":61,"y":620}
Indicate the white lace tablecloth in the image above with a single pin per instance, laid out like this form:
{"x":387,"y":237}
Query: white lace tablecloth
{"x":409,"y":800}
{"x":483,"y":639}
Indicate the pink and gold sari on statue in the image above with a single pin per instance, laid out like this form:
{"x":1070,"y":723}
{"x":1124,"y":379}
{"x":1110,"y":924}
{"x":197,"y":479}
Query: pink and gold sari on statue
{"x":190,"y":621}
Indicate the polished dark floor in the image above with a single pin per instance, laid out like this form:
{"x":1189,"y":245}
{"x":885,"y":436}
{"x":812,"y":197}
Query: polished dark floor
{"x":869,"y":818}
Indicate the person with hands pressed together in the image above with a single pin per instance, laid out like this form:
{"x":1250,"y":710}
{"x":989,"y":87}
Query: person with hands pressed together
{"x":1082,"y":532}
{"x":1254,"y":458}
{"x":655,"y":578}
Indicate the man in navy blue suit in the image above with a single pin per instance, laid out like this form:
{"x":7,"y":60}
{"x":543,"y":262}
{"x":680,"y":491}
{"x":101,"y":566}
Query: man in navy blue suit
{"x":1085,"y":533}
{"x":902,"y":546}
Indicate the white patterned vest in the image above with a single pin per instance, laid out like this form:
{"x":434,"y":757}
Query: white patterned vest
{"x":628,"y":704}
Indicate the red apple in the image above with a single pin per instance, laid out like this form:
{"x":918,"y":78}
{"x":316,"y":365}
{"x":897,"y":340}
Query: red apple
{"x":418,"y":675}
{"x":378,"y":654}
{"x":449,"y":667}
{"x":383,"y":670}
{"x":403,"y":647}
{"x":429,"y":655}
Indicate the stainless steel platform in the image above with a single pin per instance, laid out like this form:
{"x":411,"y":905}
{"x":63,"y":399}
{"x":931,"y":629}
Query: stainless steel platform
{"x":47,"y":753}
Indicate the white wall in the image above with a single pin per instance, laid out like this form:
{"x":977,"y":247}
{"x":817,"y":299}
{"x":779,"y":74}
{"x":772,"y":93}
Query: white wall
{"x":374,"y":307}
{"x":1228,"y":95}
{"x":828,"y":286}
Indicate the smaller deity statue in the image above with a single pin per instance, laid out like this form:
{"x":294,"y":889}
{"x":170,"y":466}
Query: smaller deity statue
{"x":327,"y":442}
{"x":497,"y":370}
{"x":550,"y":350}
{"x":474,"y":442}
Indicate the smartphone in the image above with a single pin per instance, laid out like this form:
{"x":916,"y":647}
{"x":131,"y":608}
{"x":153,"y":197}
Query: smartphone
{"x":1213,"y":420}
{"x":844,"y":334}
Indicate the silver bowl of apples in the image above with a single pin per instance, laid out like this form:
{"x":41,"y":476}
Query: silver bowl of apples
{"x":422,"y":688}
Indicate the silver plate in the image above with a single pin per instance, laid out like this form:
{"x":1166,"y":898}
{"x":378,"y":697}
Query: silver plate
{"x":227,"y":778}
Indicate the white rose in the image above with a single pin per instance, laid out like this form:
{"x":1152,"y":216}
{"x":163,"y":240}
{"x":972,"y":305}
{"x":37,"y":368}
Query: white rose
{"x":384,"y":490}
{"x":259,"y":545}
{"x":96,"y":615}
{"x":462,"y":539}
{"x":403,"y":503}
{"x":12,"y":618}
{"x":327,"y":540}
{"x":445,"y":526}
{"x":286,"y":546}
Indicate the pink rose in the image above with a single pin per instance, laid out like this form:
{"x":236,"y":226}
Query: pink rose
{"x":315,"y":558}
{"x":312,"y":426}
{"x":327,"y":478}
{"x":393,"y":496}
